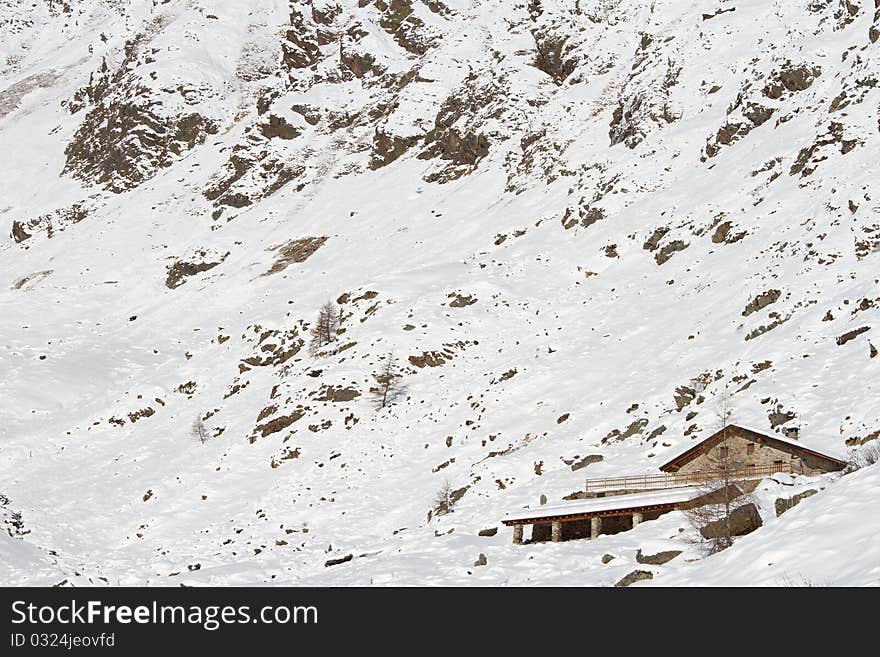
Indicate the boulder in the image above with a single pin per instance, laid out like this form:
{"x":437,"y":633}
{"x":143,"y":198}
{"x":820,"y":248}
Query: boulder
{"x":743,"y":520}
{"x":657,"y":559}
{"x":491,"y":531}
{"x":587,"y":460}
{"x":633,"y":577}
{"x":336,"y":562}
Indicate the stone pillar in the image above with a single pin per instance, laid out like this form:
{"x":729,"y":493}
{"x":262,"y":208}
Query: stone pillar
{"x":595,"y":527}
{"x":556,"y":532}
{"x":637,"y":518}
{"x":517,"y":534}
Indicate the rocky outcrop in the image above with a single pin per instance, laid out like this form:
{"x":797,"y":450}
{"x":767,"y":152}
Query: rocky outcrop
{"x":683,"y":396}
{"x":400,"y":20}
{"x":724,"y":234}
{"x":748,"y":111}
{"x":277,"y":424}
{"x":360,"y":63}
{"x":49,"y":223}
{"x":644,"y":101}
{"x":586,"y":216}
{"x":809,"y":157}
{"x":388,"y":148}
{"x":790,"y":78}
{"x":553,"y":57}
{"x":587,"y":460}
{"x":654,"y":238}
{"x":334,"y":394}
{"x":461,"y":300}
{"x":301,"y":46}
{"x":183,"y":269}
{"x":124,"y":142}
{"x":338,"y":561}
{"x":295,"y":251}
{"x":852,"y":335}
{"x":761,"y":301}
{"x":131,"y":130}
{"x":277,"y":127}
{"x":456,"y":137}
{"x":248,"y":176}
{"x":668,"y":250}
{"x":783,"y":504}
{"x":633,"y":577}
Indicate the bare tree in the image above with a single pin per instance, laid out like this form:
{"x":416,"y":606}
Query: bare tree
{"x":388,"y":383}
{"x":711,"y":512}
{"x":199,"y":431}
{"x":444,"y":500}
{"x":724,"y":411}
{"x":325,"y":329}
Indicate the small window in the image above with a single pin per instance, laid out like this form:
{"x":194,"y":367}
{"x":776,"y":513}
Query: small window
{"x":724,"y":451}
{"x":750,"y":448}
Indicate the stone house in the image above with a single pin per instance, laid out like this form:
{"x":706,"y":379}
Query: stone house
{"x":618,"y":504}
{"x":742,"y":449}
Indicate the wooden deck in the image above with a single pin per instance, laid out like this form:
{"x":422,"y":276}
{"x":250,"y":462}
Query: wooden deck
{"x":676,"y":480}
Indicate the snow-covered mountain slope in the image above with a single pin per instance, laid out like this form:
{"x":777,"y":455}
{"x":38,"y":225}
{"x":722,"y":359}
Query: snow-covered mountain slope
{"x":575,"y":224}
{"x":828,"y":540}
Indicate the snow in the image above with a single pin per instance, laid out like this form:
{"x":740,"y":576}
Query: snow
{"x":562,"y":323}
{"x":827,"y":540}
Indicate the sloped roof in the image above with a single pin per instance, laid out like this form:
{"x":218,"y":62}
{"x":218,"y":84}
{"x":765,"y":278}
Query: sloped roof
{"x":757,"y":436}
{"x":610,"y":503}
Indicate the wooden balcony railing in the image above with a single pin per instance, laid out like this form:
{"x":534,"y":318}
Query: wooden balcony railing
{"x":676,"y":479}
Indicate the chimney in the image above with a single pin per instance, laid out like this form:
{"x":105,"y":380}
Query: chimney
{"x":793,"y":433}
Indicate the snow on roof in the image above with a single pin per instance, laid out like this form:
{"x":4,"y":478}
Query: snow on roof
{"x":798,"y":443}
{"x":610,"y":503}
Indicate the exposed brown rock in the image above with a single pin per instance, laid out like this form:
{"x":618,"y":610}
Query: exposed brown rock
{"x":657,"y":559}
{"x":460,"y":301}
{"x":851,"y":335}
{"x":182,"y":269}
{"x":279,"y":423}
{"x":295,"y":251}
{"x":334,"y":394}
{"x":761,"y":301}
{"x":633,"y":577}
{"x":278,"y":127}
{"x":783,"y":504}
{"x":743,"y":520}
{"x":669,"y":250}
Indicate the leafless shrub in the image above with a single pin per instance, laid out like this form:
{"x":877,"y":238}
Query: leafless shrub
{"x":800,"y":581}
{"x":444,"y":501}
